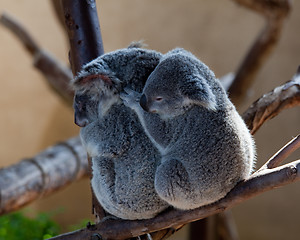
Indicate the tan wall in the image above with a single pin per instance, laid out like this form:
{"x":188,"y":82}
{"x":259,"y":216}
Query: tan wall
{"x":218,"y":32}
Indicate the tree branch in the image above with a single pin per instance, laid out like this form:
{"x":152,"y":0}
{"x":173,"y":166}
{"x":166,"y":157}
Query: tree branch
{"x":282,"y":154}
{"x":82,"y":25}
{"x":258,"y":183}
{"x":275,"y":13}
{"x":272,"y":103}
{"x":57,"y":74}
{"x":47,"y":172}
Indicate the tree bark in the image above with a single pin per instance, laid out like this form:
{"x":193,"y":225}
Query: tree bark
{"x":47,"y":172}
{"x":272,"y":103}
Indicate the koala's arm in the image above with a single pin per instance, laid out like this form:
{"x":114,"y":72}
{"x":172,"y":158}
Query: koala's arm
{"x":99,"y":139}
{"x":158,"y":130}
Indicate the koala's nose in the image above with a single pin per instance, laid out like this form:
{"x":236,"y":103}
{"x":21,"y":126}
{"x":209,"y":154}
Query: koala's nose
{"x":80,"y":120}
{"x":143,"y":103}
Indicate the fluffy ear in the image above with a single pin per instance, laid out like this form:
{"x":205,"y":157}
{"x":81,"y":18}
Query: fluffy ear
{"x":96,"y":82}
{"x":196,"y":89}
{"x":90,"y":79}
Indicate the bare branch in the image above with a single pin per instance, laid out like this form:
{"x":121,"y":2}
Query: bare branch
{"x":272,"y":103}
{"x":275,"y":13}
{"x":16,"y":28}
{"x":47,"y":172}
{"x":282,"y":154}
{"x":56,"y":73}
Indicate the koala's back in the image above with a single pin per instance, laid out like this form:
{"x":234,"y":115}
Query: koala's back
{"x":131,"y":65}
{"x":215,"y":148}
{"x":124,"y":183}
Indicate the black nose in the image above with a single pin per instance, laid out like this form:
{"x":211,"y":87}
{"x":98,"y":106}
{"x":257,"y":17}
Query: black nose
{"x":80,"y":121}
{"x":143,"y":103}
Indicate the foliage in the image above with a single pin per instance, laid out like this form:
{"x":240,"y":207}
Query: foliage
{"x":16,"y":226}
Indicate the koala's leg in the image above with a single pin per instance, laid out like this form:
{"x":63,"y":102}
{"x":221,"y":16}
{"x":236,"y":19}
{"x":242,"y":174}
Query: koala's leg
{"x":172,"y":184}
{"x":103,"y":182}
{"x":110,"y":189}
{"x":105,"y":188}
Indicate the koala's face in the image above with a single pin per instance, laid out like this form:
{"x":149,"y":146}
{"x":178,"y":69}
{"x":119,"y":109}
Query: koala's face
{"x":94,"y":94}
{"x":163,"y":101}
{"x":86,"y":109}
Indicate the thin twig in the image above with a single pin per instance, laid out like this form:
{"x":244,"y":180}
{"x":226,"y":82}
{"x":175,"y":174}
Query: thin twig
{"x":282,"y":154}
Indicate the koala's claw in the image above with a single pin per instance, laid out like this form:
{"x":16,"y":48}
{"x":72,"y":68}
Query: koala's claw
{"x":130,"y":98}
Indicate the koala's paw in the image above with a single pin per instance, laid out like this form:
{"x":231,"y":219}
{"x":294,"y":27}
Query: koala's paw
{"x":130,"y":98}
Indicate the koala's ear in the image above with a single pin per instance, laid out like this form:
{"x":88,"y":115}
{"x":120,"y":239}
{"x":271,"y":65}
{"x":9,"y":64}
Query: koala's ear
{"x":196,"y":89}
{"x":95,"y":81}
{"x":90,"y":79}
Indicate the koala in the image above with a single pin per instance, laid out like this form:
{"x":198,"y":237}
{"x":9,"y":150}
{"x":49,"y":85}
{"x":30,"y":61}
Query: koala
{"x":124,"y":159}
{"x":205,"y":146}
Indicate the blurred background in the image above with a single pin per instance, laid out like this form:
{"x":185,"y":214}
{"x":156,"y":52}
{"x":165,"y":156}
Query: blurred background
{"x":218,"y":32}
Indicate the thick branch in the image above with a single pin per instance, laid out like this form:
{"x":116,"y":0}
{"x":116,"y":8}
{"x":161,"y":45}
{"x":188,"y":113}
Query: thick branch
{"x":82,"y":25}
{"x":55,"y":72}
{"x":84,"y":33}
{"x":272,"y":103}
{"x":275,"y":13}
{"x":47,"y":172}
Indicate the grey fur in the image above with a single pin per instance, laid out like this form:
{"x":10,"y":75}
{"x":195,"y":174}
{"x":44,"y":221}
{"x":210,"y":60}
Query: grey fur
{"x":206,"y":147}
{"x":124,"y":159}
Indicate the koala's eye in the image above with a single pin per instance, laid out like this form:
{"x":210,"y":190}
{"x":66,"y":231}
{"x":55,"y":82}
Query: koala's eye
{"x":158,"y":99}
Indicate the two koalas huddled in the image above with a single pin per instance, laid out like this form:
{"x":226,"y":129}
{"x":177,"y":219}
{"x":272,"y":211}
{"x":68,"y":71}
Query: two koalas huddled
{"x":161,"y":132}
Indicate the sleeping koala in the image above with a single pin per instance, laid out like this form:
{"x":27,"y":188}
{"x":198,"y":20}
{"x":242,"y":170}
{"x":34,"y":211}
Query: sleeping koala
{"x":206,"y":147}
{"x":124,"y":160}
